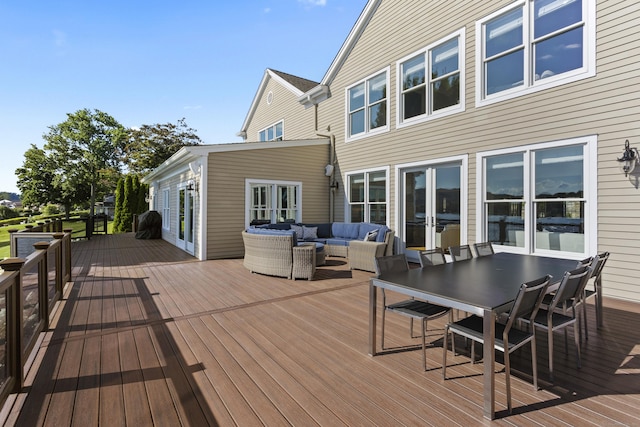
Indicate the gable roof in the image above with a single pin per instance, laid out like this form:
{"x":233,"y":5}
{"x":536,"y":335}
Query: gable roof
{"x":296,"y":85}
{"x":321,"y":92}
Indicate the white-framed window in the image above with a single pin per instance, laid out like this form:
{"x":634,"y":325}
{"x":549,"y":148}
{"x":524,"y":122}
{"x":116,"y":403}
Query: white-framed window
{"x":367,"y":193}
{"x":540,"y":198}
{"x":533,"y":45}
{"x":269,"y":202}
{"x":431,"y":81}
{"x":367,"y":106}
{"x":274,"y":132}
{"x":166,"y":209}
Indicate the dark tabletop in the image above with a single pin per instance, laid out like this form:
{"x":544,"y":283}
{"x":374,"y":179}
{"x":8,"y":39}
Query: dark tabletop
{"x":487,"y":282}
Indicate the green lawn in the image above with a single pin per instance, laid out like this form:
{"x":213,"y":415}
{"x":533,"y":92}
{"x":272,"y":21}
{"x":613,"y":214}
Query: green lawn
{"x":78,"y":227}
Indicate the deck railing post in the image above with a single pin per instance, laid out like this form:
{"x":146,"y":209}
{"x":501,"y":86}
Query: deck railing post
{"x":67,"y":247}
{"x":43,"y":283}
{"x":60,"y":273}
{"x":14,"y":322}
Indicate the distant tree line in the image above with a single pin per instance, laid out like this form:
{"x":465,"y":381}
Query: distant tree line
{"x":84,"y":158}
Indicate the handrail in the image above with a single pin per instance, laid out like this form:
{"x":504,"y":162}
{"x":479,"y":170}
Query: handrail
{"x":29,"y":288}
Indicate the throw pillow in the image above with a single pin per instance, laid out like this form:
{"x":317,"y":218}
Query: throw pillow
{"x":371,"y":236}
{"x":310,"y":233}
{"x":298,"y":230}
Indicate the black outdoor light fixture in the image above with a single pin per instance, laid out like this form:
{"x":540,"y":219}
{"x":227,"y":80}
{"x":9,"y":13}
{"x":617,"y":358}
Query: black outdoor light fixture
{"x":629,"y":159}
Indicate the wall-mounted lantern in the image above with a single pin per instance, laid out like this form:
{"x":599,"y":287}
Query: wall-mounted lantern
{"x":629,"y":159}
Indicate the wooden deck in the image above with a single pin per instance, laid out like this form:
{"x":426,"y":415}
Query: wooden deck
{"x":147,"y":335}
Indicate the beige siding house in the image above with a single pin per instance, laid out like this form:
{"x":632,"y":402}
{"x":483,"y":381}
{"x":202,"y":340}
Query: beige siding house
{"x":208,"y":194}
{"x":497,"y":120}
{"x":459,"y":122}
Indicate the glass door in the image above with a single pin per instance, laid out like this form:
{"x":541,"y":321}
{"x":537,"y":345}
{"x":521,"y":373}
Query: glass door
{"x":431,"y":208}
{"x":185,"y":219}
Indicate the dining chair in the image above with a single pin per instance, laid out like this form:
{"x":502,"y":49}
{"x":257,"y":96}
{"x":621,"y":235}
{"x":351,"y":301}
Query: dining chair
{"x":431,"y":257}
{"x":508,"y":337}
{"x":483,"y":248}
{"x":460,"y":253}
{"x":594,"y":291}
{"x":412,"y":308}
{"x":562,"y":311}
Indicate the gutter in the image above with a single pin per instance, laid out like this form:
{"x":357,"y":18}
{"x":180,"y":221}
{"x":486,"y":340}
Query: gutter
{"x":330,"y":172}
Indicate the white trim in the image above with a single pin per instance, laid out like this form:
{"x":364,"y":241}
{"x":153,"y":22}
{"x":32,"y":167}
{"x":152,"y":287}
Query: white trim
{"x":273,"y":125}
{"x":588,"y":56}
{"x":248,"y":182}
{"x":590,"y":187}
{"x":464,"y":189}
{"x":428,"y":116}
{"x":203,"y":203}
{"x":382,"y":129}
{"x":166,"y":206}
{"x":347,"y":205}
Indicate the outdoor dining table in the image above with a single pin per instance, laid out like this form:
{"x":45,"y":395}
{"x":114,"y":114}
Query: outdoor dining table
{"x":484,"y":286}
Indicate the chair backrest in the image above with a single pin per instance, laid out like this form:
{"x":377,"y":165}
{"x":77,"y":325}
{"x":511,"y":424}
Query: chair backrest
{"x":601,"y":260}
{"x":528,"y":300}
{"x":391,"y":264}
{"x":571,"y":287}
{"x":460,"y":253}
{"x":483,"y":248}
{"x":431,"y":257}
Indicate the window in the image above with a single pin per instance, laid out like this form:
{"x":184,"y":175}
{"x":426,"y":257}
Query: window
{"x":367,"y":106}
{"x":535,"y":199}
{"x":273,"y":202}
{"x":368,"y":197}
{"x":534,"y":45}
{"x":166,"y":209}
{"x":430,"y":81}
{"x":272,"y":133}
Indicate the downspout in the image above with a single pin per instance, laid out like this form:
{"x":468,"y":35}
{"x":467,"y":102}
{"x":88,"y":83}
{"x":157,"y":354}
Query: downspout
{"x":333,"y":184}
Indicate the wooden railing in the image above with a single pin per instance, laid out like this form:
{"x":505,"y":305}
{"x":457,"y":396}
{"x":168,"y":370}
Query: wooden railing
{"x":30,"y":285}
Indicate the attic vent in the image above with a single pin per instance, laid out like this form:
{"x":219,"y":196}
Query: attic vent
{"x":269,"y":98}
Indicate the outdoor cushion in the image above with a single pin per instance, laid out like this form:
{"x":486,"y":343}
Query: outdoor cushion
{"x":345,"y":230}
{"x":338,"y":242}
{"x":324,"y":230}
{"x":365,"y":228}
{"x":382,"y":233}
{"x":309,"y":233}
{"x":298,"y":230}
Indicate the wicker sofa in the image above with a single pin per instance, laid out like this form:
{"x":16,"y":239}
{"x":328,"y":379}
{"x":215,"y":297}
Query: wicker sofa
{"x":359,"y":242}
{"x":276,"y":253}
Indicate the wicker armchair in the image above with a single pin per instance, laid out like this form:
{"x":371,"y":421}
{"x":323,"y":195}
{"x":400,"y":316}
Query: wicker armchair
{"x":275,"y":255}
{"x":362,"y":255}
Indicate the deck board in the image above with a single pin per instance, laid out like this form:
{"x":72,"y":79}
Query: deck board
{"x":148,"y":335}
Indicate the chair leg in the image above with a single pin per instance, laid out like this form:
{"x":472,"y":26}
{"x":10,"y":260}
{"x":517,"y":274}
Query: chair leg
{"x":424,"y":345}
{"x":473,"y":352}
{"x":550,"y":338}
{"x":584,"y":316}
{"x":534,"y":360}
{"x":507,"y":370}
{"x":411,"y":326}
{"x":576,"y":327}
{"x":444,"y":351}
{"x":382,"y":328}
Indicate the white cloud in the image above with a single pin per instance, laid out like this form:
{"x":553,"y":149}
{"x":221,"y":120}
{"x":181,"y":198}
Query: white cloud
{"x":314,"y":2}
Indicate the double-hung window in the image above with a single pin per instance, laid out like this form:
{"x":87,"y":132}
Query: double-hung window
{"x":430,"y":81}
{"x":367,"y":106}
{"x":533,"y":45}
{"x":273,"y":202}
{"x":541,"y":198}
{"x":166,"y":209}
{"x":274,"y":132}
{"x":368,"y":196}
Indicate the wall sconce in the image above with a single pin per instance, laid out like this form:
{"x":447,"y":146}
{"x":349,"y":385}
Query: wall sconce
{"x":629,"y":159}
{"x":191,"y":186}
{"x":148,"y":198}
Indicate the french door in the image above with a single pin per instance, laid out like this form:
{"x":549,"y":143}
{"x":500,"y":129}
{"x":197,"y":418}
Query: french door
{"x":186,"y":219}
{"x":431,"y":207}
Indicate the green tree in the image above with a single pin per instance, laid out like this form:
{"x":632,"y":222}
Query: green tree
{"x":83,"y":147}
{"x":36,"y":179}
{"x":119,"y":203}
{"x":150,"y":145}
{"x":128,"y":205}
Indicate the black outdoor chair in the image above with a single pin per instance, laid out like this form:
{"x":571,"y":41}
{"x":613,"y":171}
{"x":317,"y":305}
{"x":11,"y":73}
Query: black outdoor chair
{"x":596,"y":279}
{"x":431,"y":257}
{"x":483,"y":248}
{"x":508,"y":337}
{"x":412,"y":308}
{"x":562,"y":311}
{"x":460,"y":253}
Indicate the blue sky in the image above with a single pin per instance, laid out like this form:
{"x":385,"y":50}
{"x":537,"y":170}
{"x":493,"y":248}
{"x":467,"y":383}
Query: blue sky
{"x":147,"y":62}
